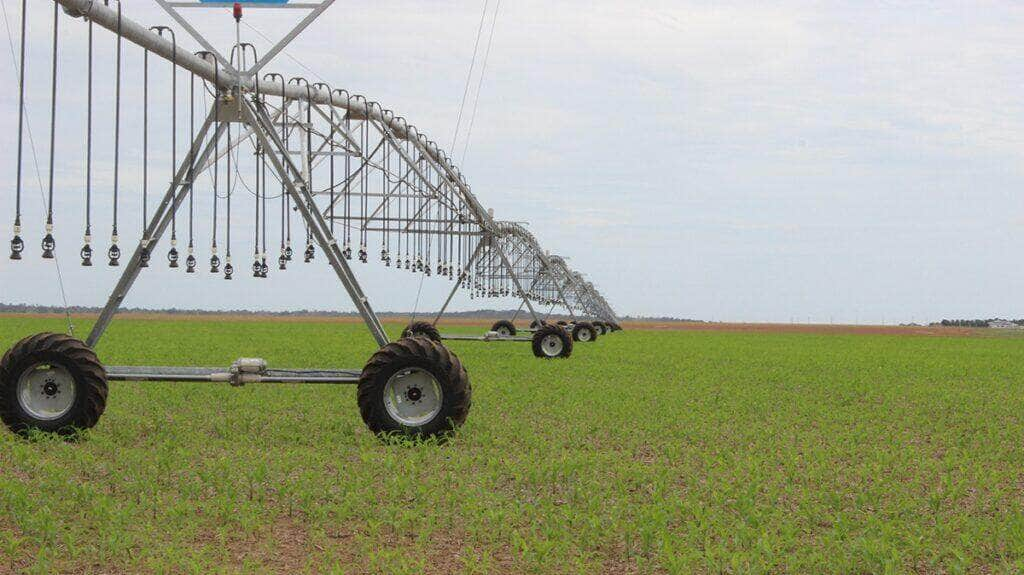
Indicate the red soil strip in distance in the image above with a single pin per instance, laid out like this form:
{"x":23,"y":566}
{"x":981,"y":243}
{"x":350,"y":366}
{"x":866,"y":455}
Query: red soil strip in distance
{"x":807,"y":328}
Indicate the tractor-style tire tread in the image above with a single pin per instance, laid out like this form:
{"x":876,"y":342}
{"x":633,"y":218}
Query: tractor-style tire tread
{"x":584,"y":326}
{"x":423,"y":329}
{"x":426,"y":354}
{"x":546,"y":330}
{"x":81,"y":362}
{"x":504,"y":323}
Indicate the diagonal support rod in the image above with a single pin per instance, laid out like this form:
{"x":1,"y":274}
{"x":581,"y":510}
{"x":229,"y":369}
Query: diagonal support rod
{"x":176,"y":193}
{"x":515,"y":280}
{"x":264,"y":131}
{"x":458,"y":282}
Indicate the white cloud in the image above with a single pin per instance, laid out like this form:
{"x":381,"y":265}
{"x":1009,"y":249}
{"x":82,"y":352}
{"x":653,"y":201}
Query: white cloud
{"x":734,"y":160}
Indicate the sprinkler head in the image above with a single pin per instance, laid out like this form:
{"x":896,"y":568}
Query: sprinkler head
{"x":17,"y":246}
{"x":172,"y":257}
{"x":48,"y":245}
{"x":144,"y":258}
{"x":347,"y":252}
{"x":214,"y":264}
{"x":309,"y":253}
{"x":282,"y":262}
{"x":264,"y":268}
{"x":288,"y":253}
{"x":114,"y":255}
{"x":190,"y":264}
{"x":256,"y":267}
{"x":229,"y":270}
{"x":86,"y":254}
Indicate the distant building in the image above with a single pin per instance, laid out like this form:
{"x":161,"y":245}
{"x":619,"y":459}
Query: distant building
{"x":1004,"y":324}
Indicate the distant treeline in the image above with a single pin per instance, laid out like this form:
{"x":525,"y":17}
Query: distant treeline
{"x":480,"y":313}
{"x":976,"y":322}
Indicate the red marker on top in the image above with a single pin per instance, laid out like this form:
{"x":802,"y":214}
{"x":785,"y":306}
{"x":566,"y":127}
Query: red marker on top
{"x":238,"y":11}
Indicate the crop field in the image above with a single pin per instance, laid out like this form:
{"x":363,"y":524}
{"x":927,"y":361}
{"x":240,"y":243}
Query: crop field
{"x":646,"y":452}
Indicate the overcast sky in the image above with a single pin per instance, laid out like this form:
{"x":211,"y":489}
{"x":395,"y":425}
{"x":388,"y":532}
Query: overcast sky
{"x":809,"y":161}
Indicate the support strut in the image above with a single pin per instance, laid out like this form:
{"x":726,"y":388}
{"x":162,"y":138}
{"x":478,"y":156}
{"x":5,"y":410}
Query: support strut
{"x":176,"y":193}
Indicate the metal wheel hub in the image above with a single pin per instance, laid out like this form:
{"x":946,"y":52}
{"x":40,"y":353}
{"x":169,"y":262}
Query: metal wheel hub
{"x":46,"y":391}
{"x":584,"y":335}
{"x":503,"y":331}
{"x":413,"y":397}
{"x":552,"y":345}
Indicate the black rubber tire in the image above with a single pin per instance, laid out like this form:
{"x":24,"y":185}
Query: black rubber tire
{"x":422,"y":329}
{"x":601,"y":327}
{"x":504,"y":323}
{"x":563,"y":323}
{"x":581,"y":327}
{"x":535,"y":324}
{"x":426,"y":354}
{"x":546,"y":330}
{"x":81,"y":363}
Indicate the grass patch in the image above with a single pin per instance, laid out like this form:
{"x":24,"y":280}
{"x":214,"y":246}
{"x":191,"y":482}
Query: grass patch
{"x":646,"y":452}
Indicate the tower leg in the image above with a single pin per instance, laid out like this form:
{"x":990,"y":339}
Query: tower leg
{"x":155,"y":228}
{"x":281,"y":162}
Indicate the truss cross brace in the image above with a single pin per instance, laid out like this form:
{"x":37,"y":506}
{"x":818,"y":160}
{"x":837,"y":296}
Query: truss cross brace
{"x":262,"y":129}
{"x":458,"y":282}
{"x":176,"y":192}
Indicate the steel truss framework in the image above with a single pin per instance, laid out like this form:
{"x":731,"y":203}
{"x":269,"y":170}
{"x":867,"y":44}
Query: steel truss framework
{"x":392,"y":194}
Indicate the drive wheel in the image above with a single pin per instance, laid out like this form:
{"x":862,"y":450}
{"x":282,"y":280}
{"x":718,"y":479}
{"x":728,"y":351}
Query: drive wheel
{"x":535,"y":324}
{"x":414,"y":387}
{"x":51,"y":382}
{"x":504,"y":328}
{"x":584,"y":331}
{"x":600,"y":327}
{"x":551,"y":341}
{"x":422,"y":329}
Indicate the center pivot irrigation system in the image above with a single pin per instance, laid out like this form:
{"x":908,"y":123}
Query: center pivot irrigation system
{"x":365,"y":184}
{"x":509,"y":258}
